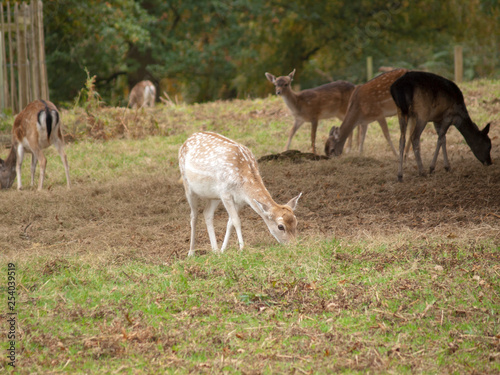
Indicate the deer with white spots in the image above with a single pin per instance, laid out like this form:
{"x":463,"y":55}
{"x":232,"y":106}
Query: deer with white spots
{"x":218,"y":169}
{"x":143,"y":94}
{"x":37,"y":127}
{"x":369,"y":102}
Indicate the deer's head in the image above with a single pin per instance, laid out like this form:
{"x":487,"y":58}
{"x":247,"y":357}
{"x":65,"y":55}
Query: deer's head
{"x":481,"y":146}
{"x":280,"y":219}
{"x":281,"y":83}
{"x":332,"y":145}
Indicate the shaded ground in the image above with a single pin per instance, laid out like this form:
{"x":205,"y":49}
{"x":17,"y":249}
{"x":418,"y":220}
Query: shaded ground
{"x":353,"y":198}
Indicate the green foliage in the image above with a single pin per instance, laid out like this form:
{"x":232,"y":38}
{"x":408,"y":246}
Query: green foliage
{"x":202,"y":51}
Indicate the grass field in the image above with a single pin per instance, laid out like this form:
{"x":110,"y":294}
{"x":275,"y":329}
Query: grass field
{"x":386,"y":277}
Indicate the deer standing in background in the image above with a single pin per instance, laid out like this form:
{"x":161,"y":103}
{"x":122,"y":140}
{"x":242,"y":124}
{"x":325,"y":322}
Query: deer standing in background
{"x":216,"y":168}
{"x":322,"y":102}
{"x":143,"y":94}
{"x":37,"y":127}
{"x":369,"y":102}
{"x":421,"y":97}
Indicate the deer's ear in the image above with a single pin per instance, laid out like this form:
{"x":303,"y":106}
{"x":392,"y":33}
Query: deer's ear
{"x":486,"y":129}
{"x":334,"y":131}
{"x":292,"y":203}
{"x":270,"y":77}
{"x":291,"y":75}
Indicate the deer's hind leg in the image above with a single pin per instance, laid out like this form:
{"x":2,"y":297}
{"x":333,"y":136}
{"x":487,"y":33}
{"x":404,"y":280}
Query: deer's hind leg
{"x":19,"y":163}
{"x":59,"y":145}
{"x":193,"y":201}
{"x":415,"y":142}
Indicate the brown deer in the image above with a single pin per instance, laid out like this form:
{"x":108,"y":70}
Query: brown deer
{"x":311,"y":105}
{"x":421,"y":97}
{"x":369,"y":102}
{"x":37,"y":127}
{"x":143,"y":94}
{"x":218,"y":169}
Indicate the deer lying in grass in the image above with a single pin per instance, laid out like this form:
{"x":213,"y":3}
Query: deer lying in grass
{"x":216,"y":168}
{"x":422,"y":97}
{"x":37,"y":127}
{"x":322,"y":102}
{"x":369,"y":102}
{"x":143,"y":94}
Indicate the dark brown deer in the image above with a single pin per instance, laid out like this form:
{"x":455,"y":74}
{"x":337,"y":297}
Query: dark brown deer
{"x":311,"y":105}
{"x":216,"y":168}
{"x":143,"y":94}
{"x":37,"y":127}
{"x":422,"y":97}
{"x":369,"y":102}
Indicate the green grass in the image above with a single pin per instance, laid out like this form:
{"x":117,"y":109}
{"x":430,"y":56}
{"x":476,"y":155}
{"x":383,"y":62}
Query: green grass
{"x":320,"y":308}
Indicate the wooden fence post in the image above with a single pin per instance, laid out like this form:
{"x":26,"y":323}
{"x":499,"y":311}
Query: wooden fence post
{"x":2,"y":81}
{"x":23,"y":72}
{"x":6,"y":102}
{"x":44,"y":82}
{"x":369,"y":68}
{"x":459,"y":65}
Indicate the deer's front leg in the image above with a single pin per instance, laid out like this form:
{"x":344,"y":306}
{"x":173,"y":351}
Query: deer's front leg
{"x":298,"y":123}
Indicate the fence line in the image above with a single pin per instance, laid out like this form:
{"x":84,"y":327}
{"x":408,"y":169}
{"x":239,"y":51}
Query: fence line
{"x":23,"y":72}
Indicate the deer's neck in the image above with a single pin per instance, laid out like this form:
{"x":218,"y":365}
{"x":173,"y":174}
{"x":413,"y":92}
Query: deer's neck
{"x":290,"y":98}
{"x":466,"y":127}
{"x":256,"y":191}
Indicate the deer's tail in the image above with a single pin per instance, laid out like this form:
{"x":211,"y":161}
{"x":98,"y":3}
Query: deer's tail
{"x":402,"y":93}
{"x":48,"y":117}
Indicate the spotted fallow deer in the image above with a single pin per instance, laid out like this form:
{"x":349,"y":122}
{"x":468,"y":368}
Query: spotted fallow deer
{"x":218,"y":169}
{"x":311,"y":105}
{"x":369,"y":102}
{"x":421,"y":97}
{"x":37,"y":127}
{"x":143,"y":94}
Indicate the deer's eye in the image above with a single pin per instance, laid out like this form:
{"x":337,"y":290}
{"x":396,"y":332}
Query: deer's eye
{"x":281,"y":227}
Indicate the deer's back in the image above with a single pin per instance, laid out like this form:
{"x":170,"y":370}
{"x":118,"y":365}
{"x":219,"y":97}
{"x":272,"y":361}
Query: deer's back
{"x":325,"y":101}
{"x":211,"y":164}
{"x":373,"y":99}
{"x":430,"y":96}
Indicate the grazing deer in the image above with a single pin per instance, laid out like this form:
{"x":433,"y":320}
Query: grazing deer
{"x":216,"y":168}
{"x":422,"y":97}
{"x":369,"y":102}
{"x":322,"y":102}
{"x":143,"y":94}
{"x":37,"y":127}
